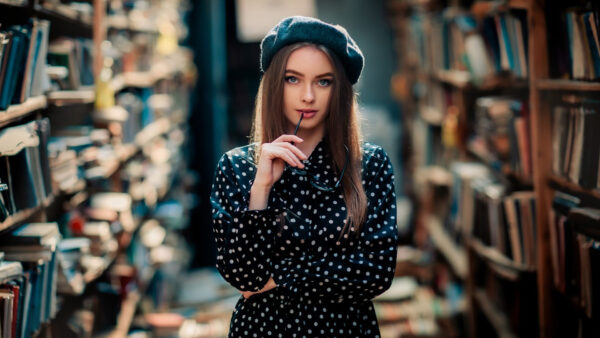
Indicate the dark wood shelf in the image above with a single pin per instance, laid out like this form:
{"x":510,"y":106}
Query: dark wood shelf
{"x":496,"y":317}
{"x":487,"y":8}
{"x":23,"y":215}
{"x":146,"y":79}
{"x":498,"y":262}
{"x":119,"y":22}
{"x":18,"y":111}
{"x":463,"y":80}
{"x":498,"y":166}
{"x":67,"y":97}
{"x":561,"y":183}
{"x":65,"y":21}
{"x":14,"y":3}
{"x":567,"y":85}
{"x":454,"y":254}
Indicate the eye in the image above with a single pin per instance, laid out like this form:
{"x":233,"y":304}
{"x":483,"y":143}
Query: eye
{"x":291,"y":79}
{"x":324,"y":82}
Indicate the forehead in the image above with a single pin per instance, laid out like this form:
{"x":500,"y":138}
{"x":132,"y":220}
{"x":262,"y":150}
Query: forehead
{"x":309,"y":60}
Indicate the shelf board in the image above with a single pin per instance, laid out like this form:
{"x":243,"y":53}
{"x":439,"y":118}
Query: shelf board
{"x":462,"y":79}
{"x":14,"y":3}
{"x":563,"y":183}
{"x":455,"y":255}
{"x":65,"y":17}
{"x":66,"y":97}
{"x":568,"y":85}
{"x":486,"y":8}
{"x":503,"y":265}
{"x":23,"y":215}
{"x":497,"y":166}
{"x":121,"y":22}
{"x":519,"y":4}
{"x":18,"y":111}
{"x":496,"y":317}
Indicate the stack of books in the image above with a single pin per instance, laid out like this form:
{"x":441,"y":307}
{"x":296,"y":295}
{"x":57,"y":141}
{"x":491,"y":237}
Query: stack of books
{"x":23,"y":62}
{"x":29,"y":295}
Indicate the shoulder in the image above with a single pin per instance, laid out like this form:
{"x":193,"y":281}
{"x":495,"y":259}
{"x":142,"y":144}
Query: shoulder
{"x":238,"y":156}
{"x":373,"y":154}
{"x":238,"y":163}
{"x":375,"y":161}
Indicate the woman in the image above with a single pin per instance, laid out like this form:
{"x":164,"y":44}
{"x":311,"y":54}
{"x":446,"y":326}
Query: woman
{"x":305,"y":216}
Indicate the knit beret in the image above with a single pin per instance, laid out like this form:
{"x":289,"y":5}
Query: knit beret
{"x":305,"y":29}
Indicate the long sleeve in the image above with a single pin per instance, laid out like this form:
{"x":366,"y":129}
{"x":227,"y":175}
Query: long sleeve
{"x":365,"y":267}
{"x":244,"y":237}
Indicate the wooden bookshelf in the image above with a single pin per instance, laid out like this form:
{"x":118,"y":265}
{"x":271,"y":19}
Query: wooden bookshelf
{"x":454,"y":254}
{"x":14,"y":3}
{"x":462,"y":80}
{"x":498,"y":262}
{"x":65,"y":20}
{"x":23,"y":215}
{"x":494,"y":315}
{"x":462,"y":92}
{"x":502,"y":169}
{"x":16,"y":112}
{"x":561,"y":183}
{"x":567,"y":85}
{"x":19,"y":217}
{"x":67,"y":97}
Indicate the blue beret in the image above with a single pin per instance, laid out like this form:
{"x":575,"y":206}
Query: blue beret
{"x":305,"y":29}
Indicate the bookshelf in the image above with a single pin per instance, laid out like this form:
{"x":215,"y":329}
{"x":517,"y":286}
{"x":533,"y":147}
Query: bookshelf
{"x":99,"y":169}
{"x":544,"y":81}
{"x":18,"y":111}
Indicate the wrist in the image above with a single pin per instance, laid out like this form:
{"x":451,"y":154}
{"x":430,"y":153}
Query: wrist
{"x":258,"y":186}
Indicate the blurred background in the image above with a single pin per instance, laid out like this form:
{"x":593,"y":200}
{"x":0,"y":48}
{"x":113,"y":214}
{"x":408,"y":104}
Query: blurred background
{"x":114,"y":113}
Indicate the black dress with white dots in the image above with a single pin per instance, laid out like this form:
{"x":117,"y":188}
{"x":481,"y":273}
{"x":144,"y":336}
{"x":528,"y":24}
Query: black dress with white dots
{"x":324,"y":284}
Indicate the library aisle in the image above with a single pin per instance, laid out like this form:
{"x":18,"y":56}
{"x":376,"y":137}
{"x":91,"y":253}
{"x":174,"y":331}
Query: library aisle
{"x":114,"y":114}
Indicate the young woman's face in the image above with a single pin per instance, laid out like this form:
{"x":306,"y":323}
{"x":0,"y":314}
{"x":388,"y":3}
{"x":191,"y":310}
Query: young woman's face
{"x":308,"y":85}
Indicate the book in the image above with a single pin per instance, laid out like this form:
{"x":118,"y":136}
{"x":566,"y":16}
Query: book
{"x":41,"y":234}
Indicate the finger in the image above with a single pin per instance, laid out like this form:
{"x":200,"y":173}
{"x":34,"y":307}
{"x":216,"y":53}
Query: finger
{"x":294,"y":149}
{"x":288,"y":138}
{"x":288,"y":157}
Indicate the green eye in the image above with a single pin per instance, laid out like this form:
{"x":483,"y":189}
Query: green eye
{"x":291,"y":79}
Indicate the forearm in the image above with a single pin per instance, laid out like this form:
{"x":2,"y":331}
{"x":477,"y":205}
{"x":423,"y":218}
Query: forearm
{"x":259,"y":197}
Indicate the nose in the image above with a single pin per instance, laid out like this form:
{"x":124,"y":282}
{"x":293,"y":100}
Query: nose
{"x":308,"y":94}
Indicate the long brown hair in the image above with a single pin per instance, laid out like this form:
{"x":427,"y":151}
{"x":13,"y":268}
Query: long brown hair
{"x":270,"y":123}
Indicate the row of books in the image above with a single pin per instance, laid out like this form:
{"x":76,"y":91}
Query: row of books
{"x":25,"y":180}
{"x":501,"y":134}
{"x":28,"y":289}
{"x":496,"y":45}
{"x":23,"y":51}
{"x":575,"y":143}
{"x":70,"y":61}
{"x":575,"y":243}
{"x":510,"y":306}
{"x":583,"y":43}
{"x":484,"y":208}
{"x":506,"y":221}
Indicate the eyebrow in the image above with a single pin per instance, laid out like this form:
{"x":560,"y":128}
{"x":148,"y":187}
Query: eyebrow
{"x":300,"y":74}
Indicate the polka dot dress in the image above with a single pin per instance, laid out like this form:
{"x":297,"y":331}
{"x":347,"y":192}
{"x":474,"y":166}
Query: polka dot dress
{"x":324,"y":285}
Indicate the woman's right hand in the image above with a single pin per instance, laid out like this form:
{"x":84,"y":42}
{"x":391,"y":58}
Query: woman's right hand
{"x":274,"y":156}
